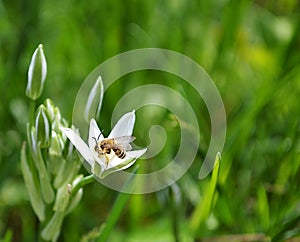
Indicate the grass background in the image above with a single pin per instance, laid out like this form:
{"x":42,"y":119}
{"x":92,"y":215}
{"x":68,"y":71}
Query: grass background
{"x":251,"y":49}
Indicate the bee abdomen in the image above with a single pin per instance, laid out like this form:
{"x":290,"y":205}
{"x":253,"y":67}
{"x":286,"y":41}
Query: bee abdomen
{"x":120,"y":153}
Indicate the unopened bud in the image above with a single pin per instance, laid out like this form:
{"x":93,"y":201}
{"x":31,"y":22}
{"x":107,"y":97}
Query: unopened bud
{"x":43,"y":127}
{"x":36,"y":74}
{"x":53,"y":227}
{"x":50,"y":108}
{"x":57,"y":145}
{"x":94,"y":101}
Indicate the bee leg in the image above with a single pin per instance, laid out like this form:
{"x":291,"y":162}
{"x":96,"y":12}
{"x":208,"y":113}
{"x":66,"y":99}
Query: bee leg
{"x":100,"y":154}
{"x":107,"y":160}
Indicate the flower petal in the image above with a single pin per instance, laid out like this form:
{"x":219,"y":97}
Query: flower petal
{"x":127,"y":164}
{"x":94,"y":133}
{"x":136,"y":153}
{"x":116,"y":162}
{"x":124,"y":126}
{"x":79,"y":144}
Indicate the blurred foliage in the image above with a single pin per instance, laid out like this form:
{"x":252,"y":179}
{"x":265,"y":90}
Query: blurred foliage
{"x":251,"y":51}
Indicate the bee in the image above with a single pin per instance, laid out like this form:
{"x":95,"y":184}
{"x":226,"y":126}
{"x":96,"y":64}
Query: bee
{"x":119,"y":145}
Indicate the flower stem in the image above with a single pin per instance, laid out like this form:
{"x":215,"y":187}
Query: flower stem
{"x":31,"y":112}
{"x":84,"y":181}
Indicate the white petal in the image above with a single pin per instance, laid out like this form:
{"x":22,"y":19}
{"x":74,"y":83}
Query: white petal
{"x":116,"y":161}
{"x":136,"y":153}
{"x":79,"y":144}
{"x":114,"y":169}
{"x":94,"y":133}
{"x":124,"y":126}
{"x":127,"y":166}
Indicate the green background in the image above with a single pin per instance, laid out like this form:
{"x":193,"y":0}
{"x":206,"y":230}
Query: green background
{"x":251,"y":49}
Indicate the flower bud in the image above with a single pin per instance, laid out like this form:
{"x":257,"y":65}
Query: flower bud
{"x":68,"y":149}
{"x":67,"y":170}
{"x":50,"y":108}
{"x":76,"y":197}
{"x":94,"y":101}
{"x":44,"y":180}
{"x":57,"y":120}
{"x":36,"y":74}
{"x":53,"y":227}
{"x":57,"y":145}
{"x":62,"y":199}
{"x":55,"y":116}
{"x":43,"y":127}
{"x":32,"y":185}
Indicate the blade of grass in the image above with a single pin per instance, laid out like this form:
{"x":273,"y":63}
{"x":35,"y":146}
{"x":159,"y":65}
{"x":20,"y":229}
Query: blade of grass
{"x":288,"y":229}
{"x":7,"y":237}
{"x":263,"y":208}
{"x":175,"y":197}
{"x":205,"y":205}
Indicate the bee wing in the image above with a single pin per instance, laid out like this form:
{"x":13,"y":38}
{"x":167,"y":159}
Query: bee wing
{"x":124,"y":141}
{"x":126,"y":146}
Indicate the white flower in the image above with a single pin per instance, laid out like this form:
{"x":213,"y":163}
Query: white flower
{"x":103,"y":165}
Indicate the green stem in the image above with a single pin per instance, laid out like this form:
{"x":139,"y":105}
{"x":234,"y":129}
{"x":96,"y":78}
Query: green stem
{"x":84,"y":181}
{"x":31,"y":112}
